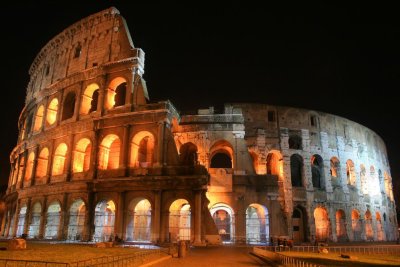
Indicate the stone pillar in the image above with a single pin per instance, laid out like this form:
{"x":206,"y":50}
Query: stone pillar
{"x":156,"y":217}
{"x":33,"y":175}
{"x":28,"y":216}
{"x":94,"y":157}
{"x":50,"y":162}
{"x":43,"y":219}
{"x":64,"y":219}
{"x":89,"y":218}
{"x":119,"y":218}
{"x":68,"y":162}
{"x":197,"y":218}
{"x":332,"y":217}
{"x":160,"y":144}
{"x":125,"y":150}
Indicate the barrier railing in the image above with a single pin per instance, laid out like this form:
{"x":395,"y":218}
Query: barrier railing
{"x":127,"y":260}
{"x":378,"y":249}
{"x":289,"y":261}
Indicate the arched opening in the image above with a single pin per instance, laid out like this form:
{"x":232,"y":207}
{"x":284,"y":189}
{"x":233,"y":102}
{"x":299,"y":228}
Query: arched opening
{"x":42,"y":162}
{"x":83,"y":149}
{"x":273,"y":163}
{"x":350,"y":172}
{"x":299,"y":221}
{"x":363,"y":179}
{"x":53,"y":217}
{"x":188,"y":154}
{"x":224,"y":220}
{"x":59,"y":159}
{"x":341,"y":232}
{"x":90,"y":99}
{"x":321,"y":224}
{"x":221,"y":159}
{"x":296,"y":170}
{"x":356,"y":225}
{"x":109,"y":152}
{"x":104,"y":221}
{"x":120,"y":94}
{"x":29,"y":123}
{"x":335,"y":171}
{"x":369,"y":232}
{"x":116,"y":93}
{"x":139,"y":221}
{"x":257,"y":224}
{"x":29,"y":166}
{"x":317,"y":171}
{"x":379,"y":227}
{"x":51,"y":114}
{"x":38,"y":119}
{"x":295,"y":142}
{"x":34,"y":226}
{"x":21,"y":168}
{"x":69,"y":106}
{"x":142,"y":150}
{"x":179,"y":220}
{"x":21,"y":221}
{"x":76,"y":224}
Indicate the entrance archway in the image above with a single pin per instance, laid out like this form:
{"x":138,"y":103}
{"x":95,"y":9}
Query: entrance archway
{"x":76,"y":223}
{"x":257,"y":224}
{"x":341,"y":232}
{"x":369,"y":233}
{"x":34,"y":226}
{"x":21,"y":221}
{"x":224,"y":220}
{"x":179,"y":220}
{"x":104,"y":221}
{"x":356,"y":225}
{"x":379,"y":228}
{"x":321,"y":224}
{"x":298,"y":223}
{"x":139,"y":221}
{"x":53,"y":217}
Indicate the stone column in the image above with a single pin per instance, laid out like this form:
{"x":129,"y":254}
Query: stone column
{"x":197,"y":218}
{"x":119,"y":218}
{"x":28,"y":216}
{"x":16,"y":219}
{"x":156,"y":217}
{"x":332,"y":217}
{"x":64,"y":220}
{"x":125,"y":150}
{"x":50,"y":162}
{"x":33,"y":175}
{"x":89,"y":217}
{"x":160,"y":144}
{"x":68,"y":161}
{"x":43,"y":219}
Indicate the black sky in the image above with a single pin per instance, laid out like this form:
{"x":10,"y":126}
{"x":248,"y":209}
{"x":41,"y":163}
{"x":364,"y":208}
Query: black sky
{"x":343,"y":60}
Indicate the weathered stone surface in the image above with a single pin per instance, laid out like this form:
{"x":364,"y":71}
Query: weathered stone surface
{"x":104,"y":245}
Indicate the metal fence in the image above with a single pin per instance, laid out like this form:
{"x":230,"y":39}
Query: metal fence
{"x":131,"y":260}
{"x":379,"y":249}
{"x":289,"y":261}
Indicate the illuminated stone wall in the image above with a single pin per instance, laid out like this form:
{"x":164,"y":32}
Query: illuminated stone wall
{"x":95,"y":159}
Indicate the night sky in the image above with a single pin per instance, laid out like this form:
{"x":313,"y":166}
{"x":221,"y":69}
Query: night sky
{"x":343,"y":60}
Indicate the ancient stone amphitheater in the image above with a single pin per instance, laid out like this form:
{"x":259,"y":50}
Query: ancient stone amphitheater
{"x":96,"y":160}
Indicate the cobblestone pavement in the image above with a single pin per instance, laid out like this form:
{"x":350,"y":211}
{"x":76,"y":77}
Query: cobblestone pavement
{"x":215,"y":257}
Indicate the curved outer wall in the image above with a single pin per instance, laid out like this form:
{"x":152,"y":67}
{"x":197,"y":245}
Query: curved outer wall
{"x":95,"y":159}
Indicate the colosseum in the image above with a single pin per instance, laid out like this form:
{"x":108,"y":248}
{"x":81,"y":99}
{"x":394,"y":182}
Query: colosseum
{"x":96,"y":159}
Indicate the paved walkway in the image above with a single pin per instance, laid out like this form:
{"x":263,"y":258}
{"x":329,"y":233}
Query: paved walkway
{"x":214,"y":257}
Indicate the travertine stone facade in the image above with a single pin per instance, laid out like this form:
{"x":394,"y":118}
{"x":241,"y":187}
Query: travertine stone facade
{"x":95,"y":159}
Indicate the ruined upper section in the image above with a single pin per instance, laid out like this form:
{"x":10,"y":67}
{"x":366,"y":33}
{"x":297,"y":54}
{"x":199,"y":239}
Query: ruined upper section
{"x":97,"y":40}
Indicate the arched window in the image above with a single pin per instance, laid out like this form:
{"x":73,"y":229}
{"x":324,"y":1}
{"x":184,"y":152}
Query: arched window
{"x":221,"y":160}
{"x":351,"y":175}
{"x":273,"y":163}
{"x":109,"y":152}
{"x":120,"y":94}
{"x":82,"y":153}
{"x":104,"y":220}
{"x":317,"y":171}
{"x":53,"y":218}
{"x":335,"y":171}
{"x":296,"y":170}
{"x":321,"y":224}
{"x":116,"y":93}
{"x":39,"y":118}
{"x":29,"y":166}
{"x":69,"y":106}
{"x":295,"y":142}
{"x":142,"y":150}
{"x":29,"y":123}
{"x":41,"y":168}
{"x":341,"y":232}
{"x":188,"y":154}
{"x":34,"y":226}
{"x":356,"y":225}
{"x":89,"y":99}
{"x":59,"y":159}
{"x":76,"y":223}
{"x":139,"y":221}
{"x":369,"y":233}
{"x":52,"y":109}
